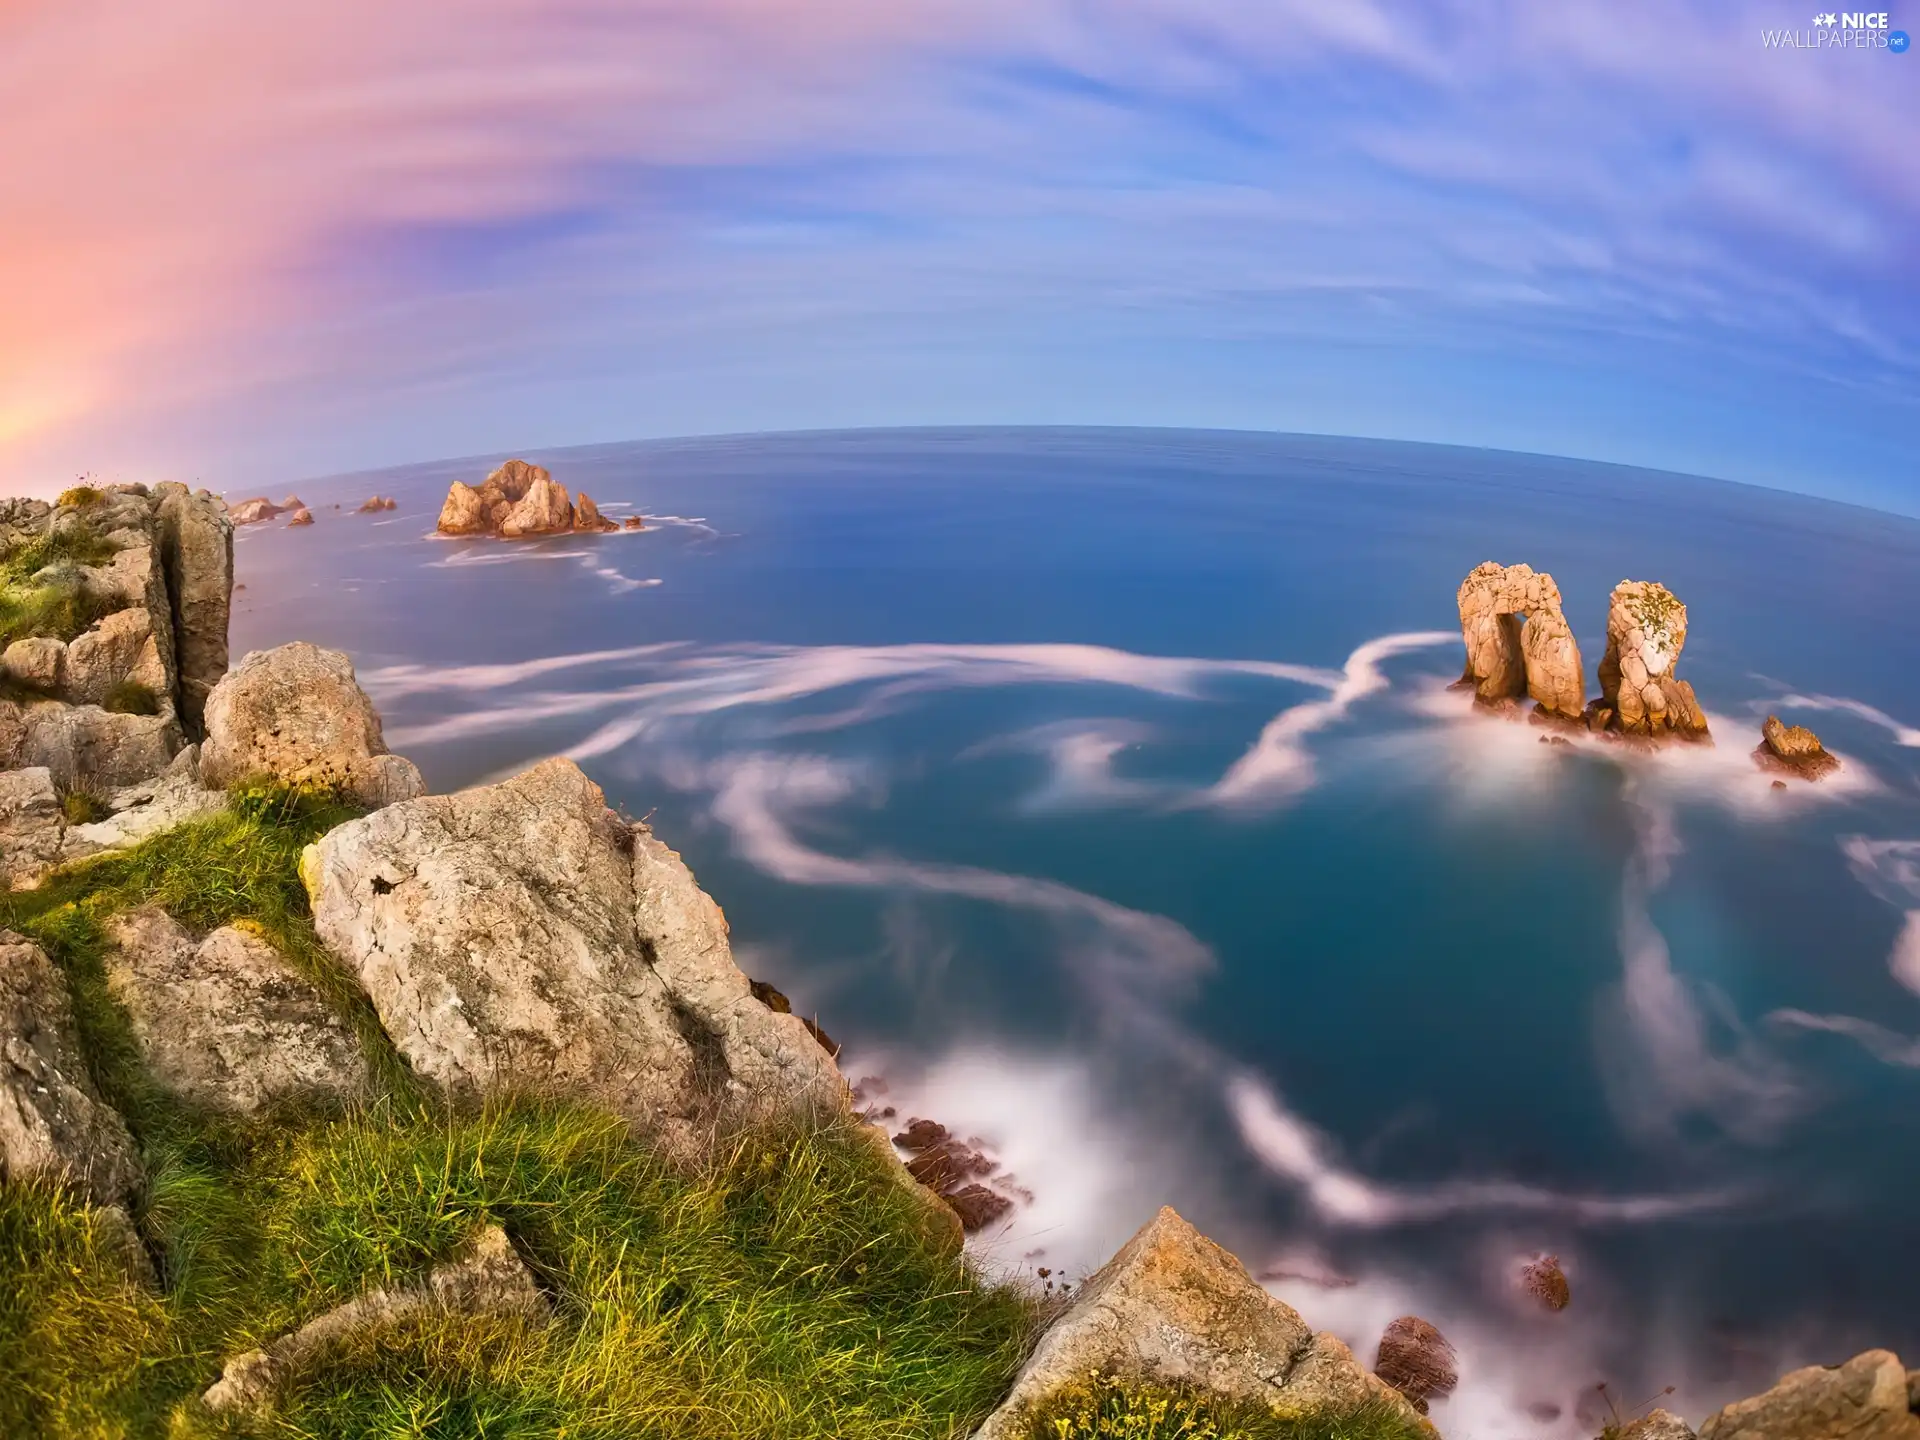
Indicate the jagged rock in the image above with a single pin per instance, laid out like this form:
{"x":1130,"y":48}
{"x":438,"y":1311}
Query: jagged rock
{"x":252,"y":512}
{"x":296,"y":714}
{"x":1543,"y":1280}
{"x":121,"y":647}
{"x":1508,"y":655}
{"x":373,"y":504}
{"x":85,"y":746}
{"x":633,"y":522}
{"x":140,"y":811}
{"x":464,"y":512}
{"x":38,"y":662}
{"x":196,"y":551}
{"x":301,"y":516}
{"x":226,"y":1022}
{"x":1174,"y":1307}
{"x":521,"y":935}
{"x":1415,"y":1359}
{"x":543,"y":510}
{"x":1865,"y":1399}
{"x":1792,"y":748}
{"x":977,"y":1206}
{"x":52,"y":1121}
{"x":587,"y":516}
{"x":1658,"y":1425}
{"x":1646,"y":631}
{"x":490,"y":1280}
{"x":31,"y":825}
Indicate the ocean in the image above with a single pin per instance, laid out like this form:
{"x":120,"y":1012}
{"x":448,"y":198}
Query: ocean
{"x":1102,"y":793}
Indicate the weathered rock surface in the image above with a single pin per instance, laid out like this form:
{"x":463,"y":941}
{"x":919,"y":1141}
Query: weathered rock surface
{"x":490,"y":1280}
{"x":464,"y":512}
{"x":953,"y":1170}
{"x":1865,"y":1399}
{"x":1646,"y":631}
{"x":85,"y":746}
{"x":521,"y":936}
{"x":1174,"y":1307}
{"x":587,"y":516}
{"x":1415,"y":1359}
{"x":38,"y":662}
{"x":1658,"y":1425}
{"x":121,"y":647}
{"x":31,"y":825}
{"x":297,"y":715}
{"x":52,"y":1121}
{"x":1518,"y":640}
{"x":1793,"y":749}
{"x":196,"y":548}
{"x":518,"y":500}
{"x":145,"y":809}
{"x":227,"y":1023}
{"x":543,"y":510}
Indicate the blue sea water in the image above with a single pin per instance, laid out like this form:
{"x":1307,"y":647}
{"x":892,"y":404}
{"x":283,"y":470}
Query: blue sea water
{"x":1101,"y":792}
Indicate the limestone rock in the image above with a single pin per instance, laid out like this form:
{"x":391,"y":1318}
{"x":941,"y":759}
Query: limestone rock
{"x":1864,"y":1399}
{"x":120,"y":647}
{"x":1415,"y":1359}
{"x":38,"y":662}
{"x":543,"y":510}
{"x":522,"y":936}
{"x":143,"y":810}
{"x":587,"y":516}
{"x":490,"y":1280}
{"x":196,"y":550}
{"x":31,"y":825}
{"x":252,"y":512}
{"x":297,"y":715}
{"x":301,"y":516}
{"x":84,"y":745}
{"x":1518,"y":640}
{"x":463,"y":513}
{"x":1174,"y":1307}
{"x":1646,"y":631}
{"x":1658,"y":1425}
{"x":226,"y":1022}
{"x":52,"y":1121}
{"x":1794,"y":749}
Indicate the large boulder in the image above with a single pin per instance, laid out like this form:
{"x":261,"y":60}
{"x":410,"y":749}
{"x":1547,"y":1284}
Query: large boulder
{"x":522,"y":936}
{"x":31,"y":825}
{"x":297,"y":716}
{"x":1174,"y":1307}
{"x":226,"y":1023}
{"x":1865,"y":1399}
{"x":464,"y":512}
{"x":1416,"y":1359}
{"x":1518,"y":640}
{"x":38,"y":663}
{"x":196,"y":549}
{"x":543,"y":510}
{"x":86,"y":747}
{"x":1639,"y":683}
{"x":52,"y":1121}
{"x":490,"y":1279}
{"x":122,"y":648}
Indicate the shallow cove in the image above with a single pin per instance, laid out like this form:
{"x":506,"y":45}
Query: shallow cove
{"x":963,"y":728}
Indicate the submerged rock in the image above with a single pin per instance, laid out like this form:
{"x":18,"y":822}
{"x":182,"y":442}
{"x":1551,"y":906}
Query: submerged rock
{"x":1415,"y":1359}
{"x":227,"y":1022}
{"x":52,"y":1121}
{"x":1646,"y":631}
{"x":1794,"y":749}
{"x":1865,"y":1399}
{"x":297,"y":716}
{"x":523,"y":936}
{"x":1174,"y":1307}
{"x":491,"y":1279}
{"x":1518,"y":640}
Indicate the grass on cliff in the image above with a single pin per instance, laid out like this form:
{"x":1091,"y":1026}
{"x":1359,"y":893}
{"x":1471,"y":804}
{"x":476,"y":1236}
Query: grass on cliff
{"x":60,"y":607}
{"x":1104,"y":1407}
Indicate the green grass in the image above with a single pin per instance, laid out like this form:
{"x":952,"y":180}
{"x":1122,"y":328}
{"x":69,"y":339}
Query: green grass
{"x":130,"y":697}
{"x":62,"y":607}
{"x":82,"y":807}
{"x":81,"y":497}
{"x":781,"y":1291}
{"x":1106,"y":1408}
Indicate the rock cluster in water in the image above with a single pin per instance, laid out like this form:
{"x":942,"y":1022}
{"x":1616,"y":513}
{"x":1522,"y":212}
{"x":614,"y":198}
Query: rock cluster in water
{"x":1793,"y":750}
{"x":518,"y":499}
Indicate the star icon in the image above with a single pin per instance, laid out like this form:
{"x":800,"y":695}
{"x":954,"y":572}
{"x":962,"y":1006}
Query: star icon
{"x":1829,"y":19}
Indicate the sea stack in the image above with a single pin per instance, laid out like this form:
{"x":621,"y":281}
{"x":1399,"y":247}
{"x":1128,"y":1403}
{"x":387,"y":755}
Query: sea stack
{"x":515,"y":501}
{"x":1518,"y":640}
{"x":1795,"y":750}
{"x":1640,"y":693}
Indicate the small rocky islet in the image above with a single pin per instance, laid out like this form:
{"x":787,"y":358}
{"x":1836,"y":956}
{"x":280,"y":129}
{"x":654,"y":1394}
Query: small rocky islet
{"x":520,"y":500}
{"x":1520,"y":646}
{"x":522,"y":938}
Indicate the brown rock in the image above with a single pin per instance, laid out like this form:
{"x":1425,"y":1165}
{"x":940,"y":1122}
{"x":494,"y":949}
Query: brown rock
{"x":1865,"y":1399}
{"x":543,"y":510}
{"x":38,"y":663}
{"x":1646,"y":631}
{"x":1518,"y":640}
{"x":977,"y":1206}
{"x":1174,"y":1307}
{"x":1545,"y":1281}
{"x":633,"y":522}
{"x":922,"y":1135}
{"x":252,"y":512}
{"x":464,"y":513}
{"x":1793,"y":749}
{"x":301,"y":516}
{"x":32,"y":826}
{"x":373,"y":504}
{"x":587,"y":516}
{"x":1416,"y":1360}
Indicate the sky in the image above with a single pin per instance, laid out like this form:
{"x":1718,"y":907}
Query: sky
{"x":245,"y":243}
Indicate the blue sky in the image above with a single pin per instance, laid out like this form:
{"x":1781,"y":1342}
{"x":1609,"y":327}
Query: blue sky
{"x":248,"y":248}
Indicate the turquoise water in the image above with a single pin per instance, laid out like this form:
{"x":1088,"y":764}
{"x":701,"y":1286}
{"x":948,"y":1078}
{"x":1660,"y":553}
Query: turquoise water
{"x":964,"y":729}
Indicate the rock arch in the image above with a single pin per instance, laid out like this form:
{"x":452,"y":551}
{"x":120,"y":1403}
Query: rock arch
{"x":1518,"y":640}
